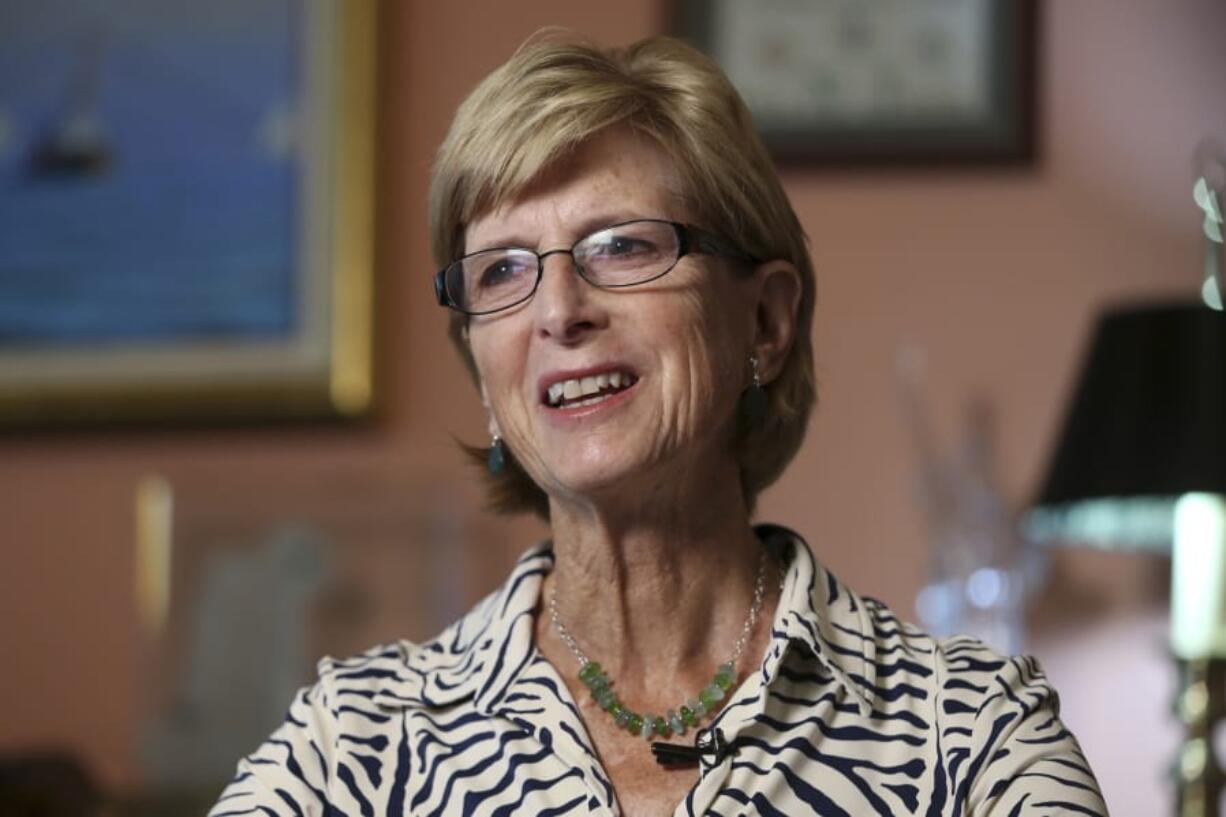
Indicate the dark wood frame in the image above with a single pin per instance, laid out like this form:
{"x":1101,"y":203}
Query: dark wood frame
{"x":1006,"y":135}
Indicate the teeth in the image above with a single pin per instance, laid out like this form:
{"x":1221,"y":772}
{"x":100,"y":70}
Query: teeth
{"x":587,"y":390}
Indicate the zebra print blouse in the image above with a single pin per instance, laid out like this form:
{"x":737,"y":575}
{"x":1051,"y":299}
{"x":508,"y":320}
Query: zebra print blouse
{"x":853,"y":712}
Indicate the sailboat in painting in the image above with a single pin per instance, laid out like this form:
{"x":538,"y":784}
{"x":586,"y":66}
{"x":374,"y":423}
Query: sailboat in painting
{"x":74,"y":142}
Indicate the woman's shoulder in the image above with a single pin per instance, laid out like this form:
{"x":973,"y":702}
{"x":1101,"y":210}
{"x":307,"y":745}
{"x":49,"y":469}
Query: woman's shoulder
{"x":962,"y":674}
{"x":884,"y":653}
{"x":960,"y":666}
{"x":994,"y":718}
{"x":442,"y":669}
{"x":398,"y":674}
{"x":345,"y":732}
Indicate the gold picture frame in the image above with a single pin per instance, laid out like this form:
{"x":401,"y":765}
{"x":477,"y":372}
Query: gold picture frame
{"x":312,"y":358}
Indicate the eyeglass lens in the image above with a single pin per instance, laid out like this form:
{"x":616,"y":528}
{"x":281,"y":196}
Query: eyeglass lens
{"x":622,"y":255}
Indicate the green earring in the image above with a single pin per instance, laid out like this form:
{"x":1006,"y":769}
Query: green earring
{"x":496,"y":462}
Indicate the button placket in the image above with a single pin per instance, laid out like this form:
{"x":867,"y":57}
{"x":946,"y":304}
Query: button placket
{"x":745,"y":705}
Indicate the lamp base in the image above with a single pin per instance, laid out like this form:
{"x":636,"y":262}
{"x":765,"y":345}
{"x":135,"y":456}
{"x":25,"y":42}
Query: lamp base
{"x":1200,"y":704}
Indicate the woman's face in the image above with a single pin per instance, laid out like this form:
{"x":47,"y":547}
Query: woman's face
{"x":670,"y":357}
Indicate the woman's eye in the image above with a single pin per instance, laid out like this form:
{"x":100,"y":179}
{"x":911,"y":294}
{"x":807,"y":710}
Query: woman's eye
{"x":622,"y":245}
{"x":499,"y":272}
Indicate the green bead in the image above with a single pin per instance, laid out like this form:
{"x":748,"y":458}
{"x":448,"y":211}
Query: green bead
{"x":724,"y":677}
{"x":662,"y":727}
{"x":605,"y":699}
{"x":589,"y":671}
{"x":687,"y":716}
{"x":598,"y":683}
{"x":649,"y":727}
{"x":616,"y":709}
{"x":620,"y":714}
{"x":634,"y":724}
{"x":716,"y":693}
{"x":706,"y":699}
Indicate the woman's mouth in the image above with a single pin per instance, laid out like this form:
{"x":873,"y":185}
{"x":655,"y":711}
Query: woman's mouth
{"x":588,"y":390}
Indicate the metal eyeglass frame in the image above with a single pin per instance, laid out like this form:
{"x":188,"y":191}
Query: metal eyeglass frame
{"x":690,"y":240}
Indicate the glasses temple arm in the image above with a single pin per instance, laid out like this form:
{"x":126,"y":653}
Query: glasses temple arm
{"x":701,"y":241}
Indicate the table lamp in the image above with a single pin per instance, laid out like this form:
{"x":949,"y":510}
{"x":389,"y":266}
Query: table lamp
{"x":1141,"y":464}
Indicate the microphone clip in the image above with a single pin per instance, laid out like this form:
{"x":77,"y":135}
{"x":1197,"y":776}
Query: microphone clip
{"x":710,"y":749}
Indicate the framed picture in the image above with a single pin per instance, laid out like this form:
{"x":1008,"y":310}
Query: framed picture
{"x":186,"y":210}
{"x":888,"y":81}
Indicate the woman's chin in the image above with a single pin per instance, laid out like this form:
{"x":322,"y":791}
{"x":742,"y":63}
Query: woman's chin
{"x":598,"y":480}
{"x":590,"y":483}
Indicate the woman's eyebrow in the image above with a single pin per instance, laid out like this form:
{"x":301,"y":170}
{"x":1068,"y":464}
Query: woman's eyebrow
{"x":511,"y":241}
{"x":597,"y":222}
{"x":585,"y":226}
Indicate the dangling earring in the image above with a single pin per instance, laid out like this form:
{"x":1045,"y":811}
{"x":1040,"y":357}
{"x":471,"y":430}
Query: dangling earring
{"x":497,"y":459}
{"x":753,"y":404}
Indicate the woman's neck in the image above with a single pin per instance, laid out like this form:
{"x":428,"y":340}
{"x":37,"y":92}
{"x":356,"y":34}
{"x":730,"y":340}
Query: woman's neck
{"x":658,"y":593}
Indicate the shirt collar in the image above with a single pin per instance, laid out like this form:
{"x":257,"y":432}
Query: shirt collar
{"x":480,"y":655}
{"x":820,"y":614}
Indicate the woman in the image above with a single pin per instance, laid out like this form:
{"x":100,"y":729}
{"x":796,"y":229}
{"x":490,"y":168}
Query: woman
{"x":632,"y":293}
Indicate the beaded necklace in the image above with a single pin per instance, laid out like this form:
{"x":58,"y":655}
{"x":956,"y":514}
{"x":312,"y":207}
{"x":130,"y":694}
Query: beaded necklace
{"x":674,"y":722}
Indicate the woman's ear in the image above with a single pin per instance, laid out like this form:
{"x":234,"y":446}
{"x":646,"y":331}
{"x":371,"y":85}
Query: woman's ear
{"x":778,"y":303}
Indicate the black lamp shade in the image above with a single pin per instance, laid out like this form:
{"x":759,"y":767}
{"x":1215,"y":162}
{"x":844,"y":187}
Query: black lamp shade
{"x":1149,"y":414}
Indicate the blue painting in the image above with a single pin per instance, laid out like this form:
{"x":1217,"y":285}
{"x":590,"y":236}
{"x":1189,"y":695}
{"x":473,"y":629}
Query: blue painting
{"x":149,"y":171}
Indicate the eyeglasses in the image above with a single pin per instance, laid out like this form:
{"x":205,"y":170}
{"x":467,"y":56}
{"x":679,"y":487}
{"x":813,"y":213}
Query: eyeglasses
{"x":623,"y":255}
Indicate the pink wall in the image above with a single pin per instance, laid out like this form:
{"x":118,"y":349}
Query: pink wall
{"x":997,"y":273}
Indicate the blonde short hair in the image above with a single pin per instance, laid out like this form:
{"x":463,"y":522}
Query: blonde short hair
{"x":556,"y":93}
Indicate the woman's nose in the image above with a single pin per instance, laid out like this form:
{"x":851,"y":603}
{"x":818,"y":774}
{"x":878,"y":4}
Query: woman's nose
{"x":567,"y":307}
